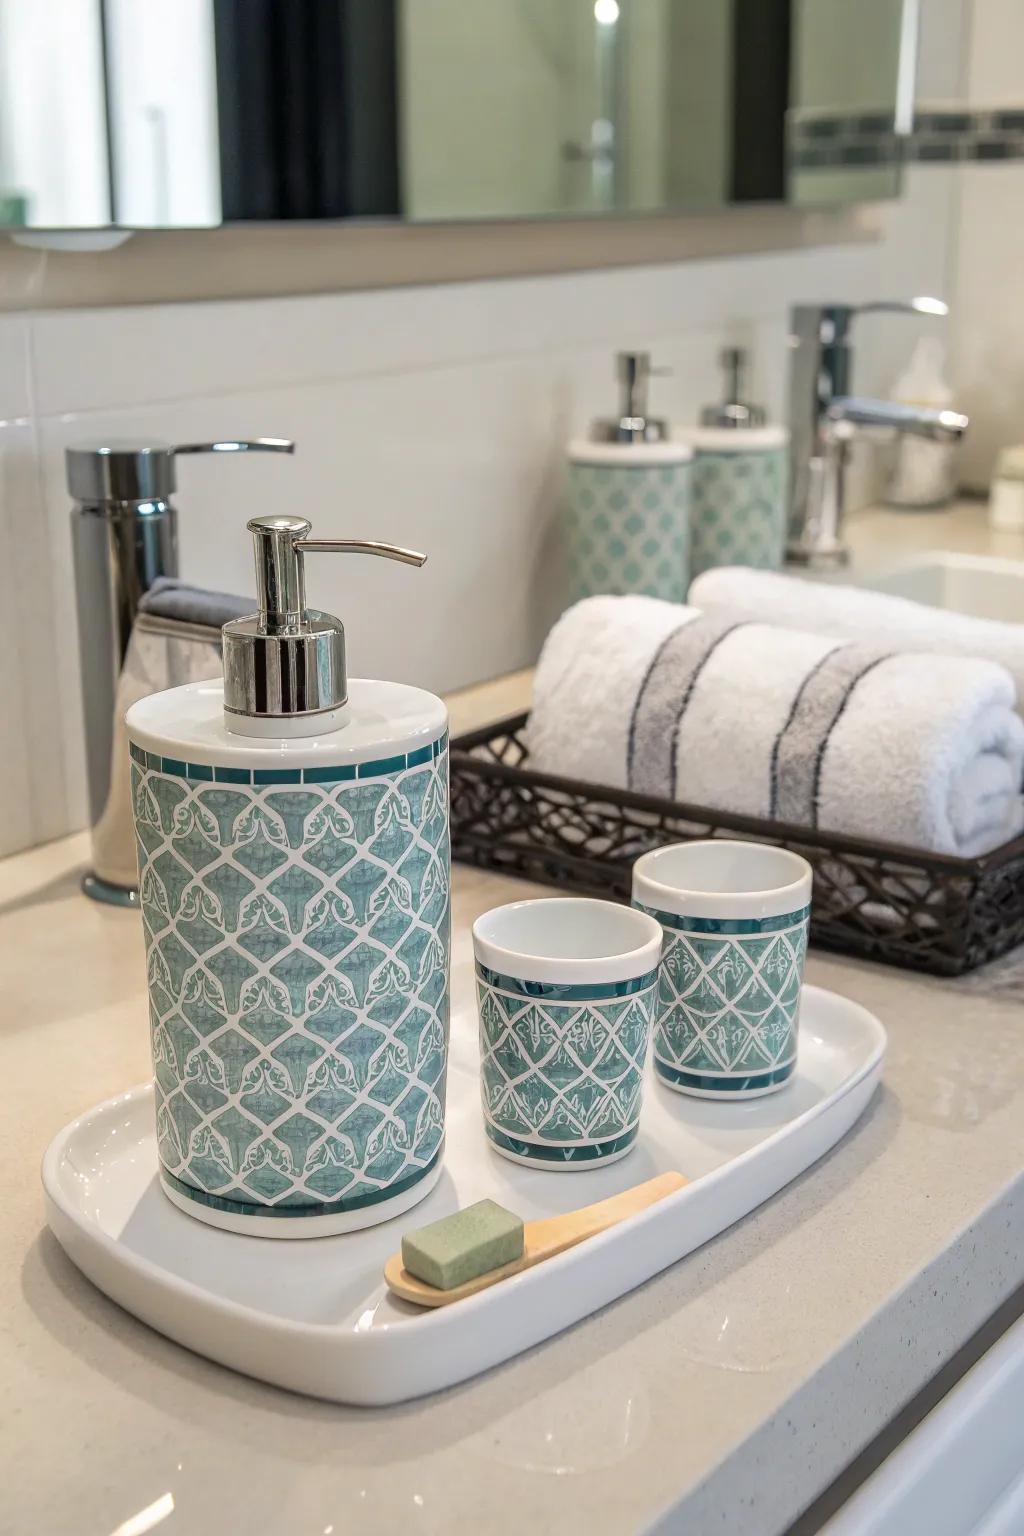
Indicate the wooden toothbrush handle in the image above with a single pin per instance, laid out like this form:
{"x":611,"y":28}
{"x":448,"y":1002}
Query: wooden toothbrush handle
{"x":554,"y":1234}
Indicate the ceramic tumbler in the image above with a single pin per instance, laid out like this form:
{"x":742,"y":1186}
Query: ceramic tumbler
{"x":735,"y":917}
{"x":738,"y":514}
{"x":566,"y":989}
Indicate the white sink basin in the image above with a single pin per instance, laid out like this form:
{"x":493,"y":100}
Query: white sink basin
{"x":981,"y":585}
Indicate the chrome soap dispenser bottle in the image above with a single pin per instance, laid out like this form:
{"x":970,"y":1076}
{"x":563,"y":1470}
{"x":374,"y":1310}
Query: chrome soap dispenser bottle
{"x":294,"y":877}
{"x":628,"y":511}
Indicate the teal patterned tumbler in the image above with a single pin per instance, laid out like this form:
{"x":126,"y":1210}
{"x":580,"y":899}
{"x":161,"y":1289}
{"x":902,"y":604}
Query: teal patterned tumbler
{"x":738,"y":513}
{"x":628,"y":519}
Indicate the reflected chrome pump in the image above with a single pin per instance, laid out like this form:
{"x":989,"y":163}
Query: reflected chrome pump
{"x":824,"y":417}
{"x":125,"y":535}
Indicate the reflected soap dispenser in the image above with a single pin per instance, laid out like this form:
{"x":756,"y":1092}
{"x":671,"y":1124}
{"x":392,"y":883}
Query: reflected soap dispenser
{"x":294,"y":874}
{"x":740,"y":468}
{"x":628,"y":509}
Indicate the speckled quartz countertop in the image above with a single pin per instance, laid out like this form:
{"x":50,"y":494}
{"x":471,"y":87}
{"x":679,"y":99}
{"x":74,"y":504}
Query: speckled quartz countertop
{"x":882,"y":536}
{"x":722,"y":1396}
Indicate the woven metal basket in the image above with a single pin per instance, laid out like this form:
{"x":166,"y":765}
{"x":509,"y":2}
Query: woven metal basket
{"x":929,"y":912}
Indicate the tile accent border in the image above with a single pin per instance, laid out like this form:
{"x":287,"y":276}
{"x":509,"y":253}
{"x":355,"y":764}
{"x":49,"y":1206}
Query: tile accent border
{"x":940,"y":136}
{"x":258,"y":777}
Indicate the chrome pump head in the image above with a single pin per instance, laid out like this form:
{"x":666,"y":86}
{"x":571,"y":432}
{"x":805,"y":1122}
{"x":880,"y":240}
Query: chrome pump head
{"x":288,"y":660}
{"x":632,"y":425}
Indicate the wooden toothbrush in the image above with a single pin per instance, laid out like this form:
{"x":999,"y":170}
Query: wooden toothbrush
{"x":466,"y":1244}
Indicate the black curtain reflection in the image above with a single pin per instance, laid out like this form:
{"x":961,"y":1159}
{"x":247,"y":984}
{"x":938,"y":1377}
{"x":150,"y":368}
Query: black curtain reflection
{"x":307,"y":105}
{"x":762,"y":42}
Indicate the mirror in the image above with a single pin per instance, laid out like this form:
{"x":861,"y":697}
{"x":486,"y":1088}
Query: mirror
{"x":183,"y":113}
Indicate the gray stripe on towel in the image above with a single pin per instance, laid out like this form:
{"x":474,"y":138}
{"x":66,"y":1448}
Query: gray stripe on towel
{"x":800,"y":746}
{"x":661,"y":702}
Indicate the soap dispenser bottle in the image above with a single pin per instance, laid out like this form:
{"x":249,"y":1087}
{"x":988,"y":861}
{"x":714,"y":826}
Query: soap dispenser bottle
{"x":739,"y":479}
{"x":294,"y":874}
{"x":627,"y":516}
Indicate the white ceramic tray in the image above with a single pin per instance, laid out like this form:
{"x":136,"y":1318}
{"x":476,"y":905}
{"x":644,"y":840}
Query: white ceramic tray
{"x":315,"y":1316}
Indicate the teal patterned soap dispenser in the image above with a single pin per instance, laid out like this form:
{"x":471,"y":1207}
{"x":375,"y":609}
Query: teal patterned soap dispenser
{"x":292,"y":831}
{"x":740,"y":468}
{"x":628,"y":506}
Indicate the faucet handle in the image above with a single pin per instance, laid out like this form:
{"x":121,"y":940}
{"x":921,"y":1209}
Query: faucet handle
{"x":922,"y":305}
{"x":829,"y":324}
{"x":143,"y":470}
{"x":239,"y":445}
{"x":848,"y":413}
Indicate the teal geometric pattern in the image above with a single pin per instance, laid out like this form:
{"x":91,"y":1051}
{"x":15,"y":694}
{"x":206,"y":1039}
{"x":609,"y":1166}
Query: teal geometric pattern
{"x":728,"y":1002}
{"x":297,"y":942}
{"x":628,"y":530}
{"x":562,"y":1080}
{"x":739,"y":509}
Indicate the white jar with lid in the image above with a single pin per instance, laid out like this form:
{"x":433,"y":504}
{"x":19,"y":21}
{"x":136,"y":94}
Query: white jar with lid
{"x":924,"y":469}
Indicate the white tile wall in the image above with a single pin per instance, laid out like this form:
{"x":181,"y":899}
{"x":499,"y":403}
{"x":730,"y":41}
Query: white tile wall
{"x":994,"y":71}
{"x":988,"y":352}
{"x":434,"y":416}
{"x":987,"y":359}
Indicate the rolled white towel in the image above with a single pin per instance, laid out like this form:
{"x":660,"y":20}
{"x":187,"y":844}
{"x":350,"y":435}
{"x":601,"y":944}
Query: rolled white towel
{"x":827,"y":608}
{"x":719,"y":711}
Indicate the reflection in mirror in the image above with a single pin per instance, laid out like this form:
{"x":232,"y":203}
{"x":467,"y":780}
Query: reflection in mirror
{"x":582,"y":107}
{"x":851,"y":97}
{"x":53,"y":135}
{"x":177,"y":113}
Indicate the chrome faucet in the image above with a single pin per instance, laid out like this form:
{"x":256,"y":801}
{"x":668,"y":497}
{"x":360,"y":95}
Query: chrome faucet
{"x":824,"y":417}
{"x":125,"y":535}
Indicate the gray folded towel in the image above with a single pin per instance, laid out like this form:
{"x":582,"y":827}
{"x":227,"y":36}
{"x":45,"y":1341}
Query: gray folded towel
{"x":175,"y":639}
{"x":169,"y":598}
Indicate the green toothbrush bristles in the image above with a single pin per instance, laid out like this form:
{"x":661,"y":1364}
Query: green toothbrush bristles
{"x":458,"y":1248}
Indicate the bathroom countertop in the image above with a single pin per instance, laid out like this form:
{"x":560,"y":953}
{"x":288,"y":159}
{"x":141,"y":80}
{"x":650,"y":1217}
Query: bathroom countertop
{"x":879,"y":537}
{"x":722,"y":1396}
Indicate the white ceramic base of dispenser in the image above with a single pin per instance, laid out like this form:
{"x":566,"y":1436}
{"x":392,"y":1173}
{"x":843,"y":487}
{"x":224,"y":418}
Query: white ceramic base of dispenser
{"x":317,"y":1317}
{"x":263,"y":1224}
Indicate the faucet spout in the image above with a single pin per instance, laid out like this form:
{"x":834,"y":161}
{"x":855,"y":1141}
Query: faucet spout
{"x":825,"y":416}
{"x":854,"y":413}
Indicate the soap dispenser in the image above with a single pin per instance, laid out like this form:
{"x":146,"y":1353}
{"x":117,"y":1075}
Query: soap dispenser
{"x":294,"y":875}
{"x":628,"y":509}
{"x":739,"y":479}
